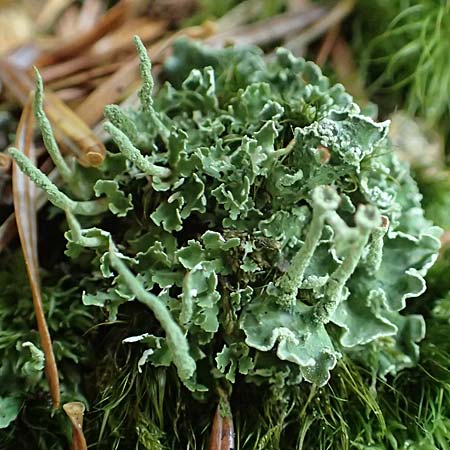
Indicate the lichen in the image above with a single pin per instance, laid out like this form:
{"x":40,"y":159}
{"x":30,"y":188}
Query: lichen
{"x":257,"y":213}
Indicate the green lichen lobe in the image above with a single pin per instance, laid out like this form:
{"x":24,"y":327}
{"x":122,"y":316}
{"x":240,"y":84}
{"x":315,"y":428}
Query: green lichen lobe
{"x":268,"y":226}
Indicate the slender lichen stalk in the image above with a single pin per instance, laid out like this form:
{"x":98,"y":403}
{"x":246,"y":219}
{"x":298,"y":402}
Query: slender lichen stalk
{"x":58,"y":198}
{"x":127,"y":148}
{"x":78,"y":235}
{"x":176,"y":340}
{"x":324,"y":200}
{"x":47,"y":132}
{"x":146,"y":91}
{"x":119,"y":126}
{"x":187,"y":301}
{"x":367,"y":219}
{"x":145,"y":67}
{"x":121,"y":121}
{"x":374,"y":255}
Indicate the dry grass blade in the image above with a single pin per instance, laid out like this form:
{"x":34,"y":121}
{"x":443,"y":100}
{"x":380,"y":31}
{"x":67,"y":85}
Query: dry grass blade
{"x":50,"y":12}
{"x":5,"y":162}
{"x":222,"y":431}
{"x":258,"y":33}
{"x":8,"y":230}
{"x":327,"y":45}
{"x":70,"y":130}
{"x":25,"y":210}
{"x":333,"y":17}
{"x":90,"y":13}
{"x":111,"y":20}
{"x":75,"y":411}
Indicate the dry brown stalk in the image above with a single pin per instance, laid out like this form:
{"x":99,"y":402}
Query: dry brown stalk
{"x":25,"y":212}
{"x":75,"y":412}
{"x":109,"y":21}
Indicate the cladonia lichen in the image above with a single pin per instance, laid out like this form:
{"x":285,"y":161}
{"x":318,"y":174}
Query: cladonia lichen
{"x":260,"y":217}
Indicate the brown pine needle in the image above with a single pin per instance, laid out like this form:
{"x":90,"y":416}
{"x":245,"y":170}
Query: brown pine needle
{"x":8,"y":231}
{"x":280,"y":26}
{"x":25,"y":209}
{"x":327,"y":44}
{"x":83,"y":77}
{"x":50,"y":12}
{"x":116,"y":85}
{"x":109,"y":21}
{"x":222,"y":431}
{"x":90,"y":13}
{"x":75,"y":411}
{"x":216,"y":431}
{"x":70,"y":130}
{"x":334,"y":16}
{"x":5,"y":162}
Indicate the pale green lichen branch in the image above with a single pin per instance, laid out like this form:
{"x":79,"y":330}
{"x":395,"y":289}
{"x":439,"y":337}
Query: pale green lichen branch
{"x":176,"y":340}
{"x":121,"y":121}
{"x":374,"y":255}
{"x":58,"y":198}
{"x":367,"y":219}
{"x":324,"y":200}
{"x":284,"y":151}
{"x":78,"y":236}
{"x":127,"y":148}
{"x":187,"y":301}
{"x":146,"y":91}
{"x":75,"y":227}
{"x":47,"y":132}
{"x":340,"y":228}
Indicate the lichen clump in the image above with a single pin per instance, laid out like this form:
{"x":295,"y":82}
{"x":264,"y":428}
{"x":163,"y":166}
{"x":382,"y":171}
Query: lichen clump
{"x":261,"y":217}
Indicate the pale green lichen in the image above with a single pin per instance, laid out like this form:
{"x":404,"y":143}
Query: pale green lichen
{"x":46,"y":130}
{"x":176,"y":341}
{"x":324,"y":200}
{"x":146,"y":91}
{"x":121,"y":121}
{"x":367,"y":219}
{"x":58,"y":198}
{"x":268,"y":225}
{"x":134,"y":155}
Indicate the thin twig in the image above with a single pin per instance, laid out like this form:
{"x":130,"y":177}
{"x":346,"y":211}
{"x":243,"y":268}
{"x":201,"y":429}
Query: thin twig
{"x":267,"y":31}
{"x":328,"y":44}
{"x":75,"y":412}
{"x":336,"y":15}
{"x":5,"y":162}
{"x":25,"y":209}
{"x":109,"y":21}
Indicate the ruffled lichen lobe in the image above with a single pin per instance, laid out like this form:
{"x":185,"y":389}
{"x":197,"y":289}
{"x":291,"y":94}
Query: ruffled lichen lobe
{"x":257,"y":210}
